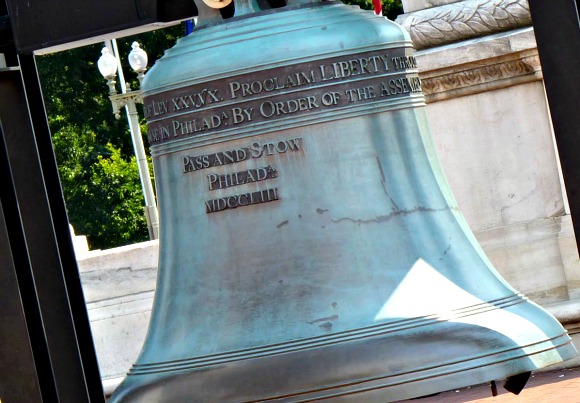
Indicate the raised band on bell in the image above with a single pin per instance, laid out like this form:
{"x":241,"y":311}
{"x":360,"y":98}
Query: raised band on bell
{"x":310,"y":246}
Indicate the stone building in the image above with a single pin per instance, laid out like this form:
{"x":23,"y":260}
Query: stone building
{"x":482,"y":79}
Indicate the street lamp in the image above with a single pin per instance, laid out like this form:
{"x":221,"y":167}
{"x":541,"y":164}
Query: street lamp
{"x":108,"y":65}
{"x":138,"y":61}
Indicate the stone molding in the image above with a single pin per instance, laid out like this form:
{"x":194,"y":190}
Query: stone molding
{"x":463,"y":20}
{"x":473,"y":78}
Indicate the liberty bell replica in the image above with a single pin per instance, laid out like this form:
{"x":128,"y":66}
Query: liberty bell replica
{"x":310,"y":246}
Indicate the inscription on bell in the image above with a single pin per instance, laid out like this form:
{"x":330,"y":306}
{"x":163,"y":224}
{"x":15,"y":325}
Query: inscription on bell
{"x":241,"y":200}
{"x":218,"y":181}
{"x":291,"y":91}
{"x":255,"y":150}
{"x":288,"y":92}
{"x":196,"y":100}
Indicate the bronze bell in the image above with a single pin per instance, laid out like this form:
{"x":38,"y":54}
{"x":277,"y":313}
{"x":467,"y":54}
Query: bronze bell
{"x":310,"y":246}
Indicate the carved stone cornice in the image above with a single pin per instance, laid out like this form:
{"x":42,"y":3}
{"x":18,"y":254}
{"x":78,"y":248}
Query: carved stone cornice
{"x":473,"y":78}
{"x":463,"y":20}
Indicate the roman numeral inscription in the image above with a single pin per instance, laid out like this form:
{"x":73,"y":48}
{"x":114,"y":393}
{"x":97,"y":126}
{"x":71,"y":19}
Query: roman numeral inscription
{"x":245,"y":199}
{"x":257,"y":149}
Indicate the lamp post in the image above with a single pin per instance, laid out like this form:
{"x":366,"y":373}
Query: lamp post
{"x":108,"y":65}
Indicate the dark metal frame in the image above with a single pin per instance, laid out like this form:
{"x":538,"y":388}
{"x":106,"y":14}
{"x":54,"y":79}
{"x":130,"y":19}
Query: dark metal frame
{"x":43,"y":261}
{"x":557,"y":30}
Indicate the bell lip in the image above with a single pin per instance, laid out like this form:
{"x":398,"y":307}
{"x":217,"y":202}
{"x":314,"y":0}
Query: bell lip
{"x":370,"y":366}
{"x":381,"y":329}
{"x":416,"y":383}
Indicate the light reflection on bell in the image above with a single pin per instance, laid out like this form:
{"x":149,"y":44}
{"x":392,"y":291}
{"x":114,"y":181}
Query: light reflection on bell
{"x":310,"y":245}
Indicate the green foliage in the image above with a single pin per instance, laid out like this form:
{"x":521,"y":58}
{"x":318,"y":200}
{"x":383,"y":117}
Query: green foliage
{"x":113,"y":200}
{"x":94,"y":152}
{"x":102,"y":189}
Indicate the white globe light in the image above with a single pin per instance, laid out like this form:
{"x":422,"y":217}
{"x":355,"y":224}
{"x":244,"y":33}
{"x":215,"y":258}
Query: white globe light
{"x":137,"y":58}
{"x":107,"y":63}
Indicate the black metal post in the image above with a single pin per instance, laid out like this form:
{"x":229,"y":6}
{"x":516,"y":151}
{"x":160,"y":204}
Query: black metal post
{"x":44,"y":261}
{"x":557,"y":30}
{"x":64,"y":245}
{"x":18,"y":371}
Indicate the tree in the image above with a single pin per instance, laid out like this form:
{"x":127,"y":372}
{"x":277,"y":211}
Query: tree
{"x":114,"y":180}
{"x":93,"y":150}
